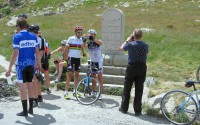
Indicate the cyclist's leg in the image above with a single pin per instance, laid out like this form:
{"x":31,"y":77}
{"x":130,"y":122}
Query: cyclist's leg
{"x":100,"y":78}
{"x":76,"y":72}
{"x":46,"y":75}
{"x":100,"y":75}
{"x":93,"y":75}
{"x":69,"y":74}
{"x":69,"y":77}
{"x":29,"y":77}
{"x":61,"y":64}
{"x":57,"y":60}
{"x":35,"y":87}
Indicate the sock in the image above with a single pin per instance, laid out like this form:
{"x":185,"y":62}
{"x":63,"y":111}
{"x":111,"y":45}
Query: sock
{"x":31,"y":105}
{"x":24,"y":105}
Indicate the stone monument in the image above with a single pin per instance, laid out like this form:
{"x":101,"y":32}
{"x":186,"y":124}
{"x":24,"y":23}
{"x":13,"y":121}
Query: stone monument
{"x":112,"y":37}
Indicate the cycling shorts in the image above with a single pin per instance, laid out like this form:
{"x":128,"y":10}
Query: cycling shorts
{"x":74,"y":64}
{"x":24,"y":73}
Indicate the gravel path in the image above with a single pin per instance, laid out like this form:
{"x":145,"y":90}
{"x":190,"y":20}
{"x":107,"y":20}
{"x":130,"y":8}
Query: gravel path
{"x":55,"y":110}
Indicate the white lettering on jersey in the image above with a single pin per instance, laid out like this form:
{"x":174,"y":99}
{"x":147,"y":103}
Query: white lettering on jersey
{"x":27,"y":43}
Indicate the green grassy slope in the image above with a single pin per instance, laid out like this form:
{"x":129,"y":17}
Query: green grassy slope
{"x":174,"y":46}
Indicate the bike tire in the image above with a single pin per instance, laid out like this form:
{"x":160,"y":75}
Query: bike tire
{"x":86,"y":91}
{"x":170,"y":104}
{"x":197,"y":73}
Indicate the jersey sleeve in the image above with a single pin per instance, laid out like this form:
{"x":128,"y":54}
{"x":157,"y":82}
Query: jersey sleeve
{"x":126,"y":46}
{"x":15,"y":42}
{"x":68,"y":42}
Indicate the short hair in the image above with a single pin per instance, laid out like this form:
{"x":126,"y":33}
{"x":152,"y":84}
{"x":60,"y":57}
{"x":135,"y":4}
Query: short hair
{"x":138,"y":33}
{"x":22,"y":23}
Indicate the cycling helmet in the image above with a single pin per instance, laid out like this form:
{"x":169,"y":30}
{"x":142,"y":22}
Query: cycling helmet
{"x":22,"y":15}
{"x":33,"y":28}
{"x":92,"y":31}
{"x":63,"y":42}
{"x":78,"y":28}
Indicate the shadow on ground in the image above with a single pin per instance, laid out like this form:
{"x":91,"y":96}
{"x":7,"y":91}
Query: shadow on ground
{"x":48,"y":106}
{"x":153,"y":119}
{"x":106,"y":103}
{"x":38,"y":120}
{"x":1,"y":116}
{"x":50,"y":97}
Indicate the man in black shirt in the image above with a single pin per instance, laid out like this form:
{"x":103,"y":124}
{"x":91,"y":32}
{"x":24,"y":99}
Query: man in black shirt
{"x":135,"y":72}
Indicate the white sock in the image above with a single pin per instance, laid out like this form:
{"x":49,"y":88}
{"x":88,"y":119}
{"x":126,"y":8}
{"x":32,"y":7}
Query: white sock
{"x":66,"y":92}
{"x":74,"y":91}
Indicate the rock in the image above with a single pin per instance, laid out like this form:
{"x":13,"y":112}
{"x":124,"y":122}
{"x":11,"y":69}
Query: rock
{"x":12,"y":22}
{"x":149,"y":81}
{"x":144,"y":96}
{"x":154,"y":102}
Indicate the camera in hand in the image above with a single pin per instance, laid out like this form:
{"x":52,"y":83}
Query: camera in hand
{"x":132,"y":38}
{"x":91,"y":38}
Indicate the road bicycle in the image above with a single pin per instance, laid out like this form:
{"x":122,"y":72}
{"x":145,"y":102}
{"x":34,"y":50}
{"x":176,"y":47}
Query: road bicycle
{"x":88,"y":88}
{"x":197,"y":73}
{"x":181,"y":108}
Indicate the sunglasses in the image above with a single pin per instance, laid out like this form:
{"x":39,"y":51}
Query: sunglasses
{"x":79,"y":32}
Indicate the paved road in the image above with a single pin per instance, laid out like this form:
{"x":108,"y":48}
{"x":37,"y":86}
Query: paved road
{"x":55,"y":110}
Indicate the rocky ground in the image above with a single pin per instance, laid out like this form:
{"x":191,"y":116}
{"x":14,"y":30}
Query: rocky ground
{"x":55,"y":110}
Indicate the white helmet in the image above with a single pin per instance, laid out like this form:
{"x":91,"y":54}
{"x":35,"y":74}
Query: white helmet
{"x":63,"y":42}
{"x":92,"y":31}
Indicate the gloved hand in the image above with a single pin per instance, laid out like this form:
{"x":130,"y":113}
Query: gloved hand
{"x":49,"y":56}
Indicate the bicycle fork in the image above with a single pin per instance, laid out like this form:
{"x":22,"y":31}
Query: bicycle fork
{"x":87,"y":87}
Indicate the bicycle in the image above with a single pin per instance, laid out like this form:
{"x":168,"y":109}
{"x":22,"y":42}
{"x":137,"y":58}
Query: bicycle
{"x":197,"y":73}
{"x":86,"y":91}
{"x":181,"y":108}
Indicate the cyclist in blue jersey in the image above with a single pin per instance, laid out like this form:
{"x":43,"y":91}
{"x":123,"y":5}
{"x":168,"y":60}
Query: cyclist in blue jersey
{"x":94,"y":47}
{"x":24,"y":55}
{"x":73,"y":49}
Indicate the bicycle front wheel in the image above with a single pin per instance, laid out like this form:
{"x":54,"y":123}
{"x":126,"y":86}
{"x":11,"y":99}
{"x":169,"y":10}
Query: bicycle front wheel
{"x":197,"y":73}
{"x":88,"y":90}
{"x":178,"y":108}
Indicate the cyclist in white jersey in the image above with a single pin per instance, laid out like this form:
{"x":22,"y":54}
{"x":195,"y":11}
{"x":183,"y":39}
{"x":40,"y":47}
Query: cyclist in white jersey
{"x":73,"y":50}
{"x":25,"y":53}
{"x":94,"y":47}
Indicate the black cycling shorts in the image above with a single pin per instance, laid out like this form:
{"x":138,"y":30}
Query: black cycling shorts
{"x":28,"y":74}
{"x":45,"y":63}
{"x":74,"y":64}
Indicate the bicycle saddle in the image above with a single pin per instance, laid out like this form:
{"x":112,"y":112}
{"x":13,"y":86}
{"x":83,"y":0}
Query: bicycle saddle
{"x":189,"y":83}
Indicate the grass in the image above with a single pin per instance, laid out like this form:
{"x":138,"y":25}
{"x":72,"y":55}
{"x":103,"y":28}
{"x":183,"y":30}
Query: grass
{"x":173,"y":47}
{"x":2,"y":69}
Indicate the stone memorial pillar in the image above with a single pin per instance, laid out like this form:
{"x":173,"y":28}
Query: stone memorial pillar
{"x":112,"y":37}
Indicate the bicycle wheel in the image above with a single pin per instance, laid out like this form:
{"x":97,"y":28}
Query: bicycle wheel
{"x":177,"y":110}
{"x":197,"y":73}
{"x":86,"y":92}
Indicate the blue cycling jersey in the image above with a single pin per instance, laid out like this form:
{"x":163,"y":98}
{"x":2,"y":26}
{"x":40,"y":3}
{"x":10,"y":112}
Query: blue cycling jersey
{"x":26,"y":43}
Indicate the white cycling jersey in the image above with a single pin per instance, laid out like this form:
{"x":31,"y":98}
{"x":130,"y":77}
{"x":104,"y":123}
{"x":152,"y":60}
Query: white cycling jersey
{"x":75,"y":45}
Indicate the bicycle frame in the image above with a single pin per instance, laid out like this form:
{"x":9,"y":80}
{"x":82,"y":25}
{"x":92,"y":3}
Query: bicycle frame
{"x":191,"y":95}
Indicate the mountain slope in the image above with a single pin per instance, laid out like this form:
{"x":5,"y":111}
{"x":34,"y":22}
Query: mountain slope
{"x":174,"y":46}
